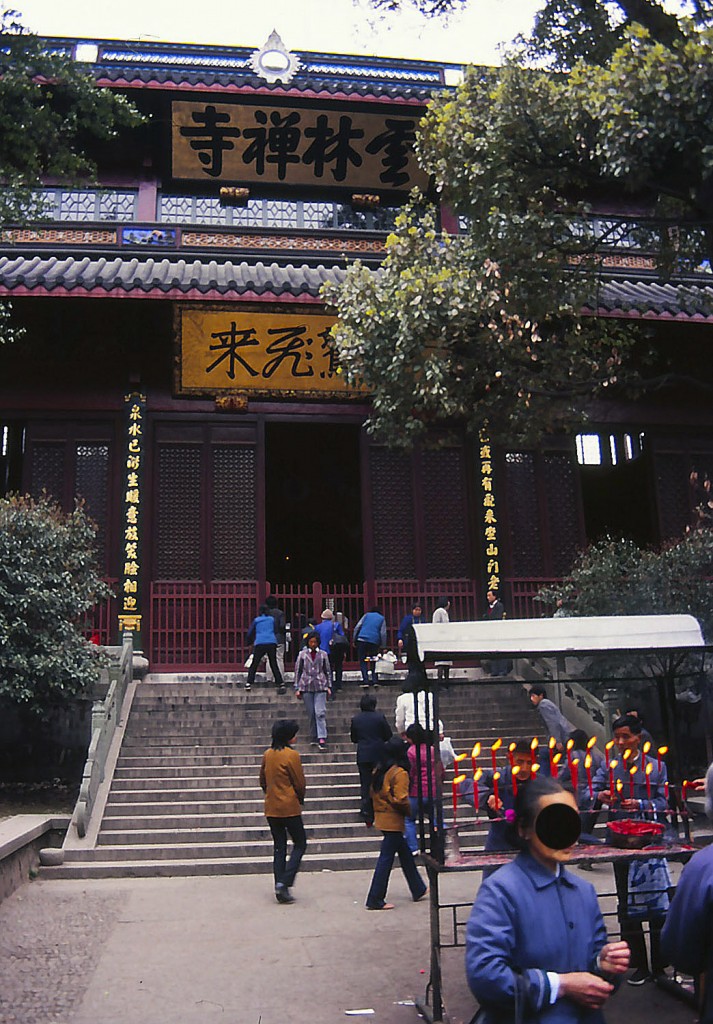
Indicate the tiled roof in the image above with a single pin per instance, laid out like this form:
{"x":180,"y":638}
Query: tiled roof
{"x":184,"y":66}
{"x":647,"y":298}
{"x":161,"y":278}
{"x":201,"y":279}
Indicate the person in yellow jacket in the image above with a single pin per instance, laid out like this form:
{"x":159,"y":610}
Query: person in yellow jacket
{"x":389,"y":792}
{"x":283,"y":783}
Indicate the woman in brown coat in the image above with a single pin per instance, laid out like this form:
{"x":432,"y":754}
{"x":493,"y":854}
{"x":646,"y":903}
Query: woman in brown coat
{"x":283,"y":782}
{"x":389,"y":792}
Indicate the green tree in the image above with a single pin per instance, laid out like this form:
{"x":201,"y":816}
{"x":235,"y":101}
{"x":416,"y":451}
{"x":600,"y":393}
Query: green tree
{"x":48,"y":584}
{"x":52,"y":116}
{"x":486,"y":329}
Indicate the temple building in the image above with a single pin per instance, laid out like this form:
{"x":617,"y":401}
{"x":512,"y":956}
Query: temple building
{"x":176,"y":372}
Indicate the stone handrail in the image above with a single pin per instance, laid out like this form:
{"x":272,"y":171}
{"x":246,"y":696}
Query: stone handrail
{"x":105,"y":716}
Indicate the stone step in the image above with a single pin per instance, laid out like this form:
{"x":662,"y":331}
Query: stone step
{"x":231,"y":805}
{"x":214,"y":793}
{"x":175,"y":868}
{"x":262,"y":847}
{"x":319,"y":817}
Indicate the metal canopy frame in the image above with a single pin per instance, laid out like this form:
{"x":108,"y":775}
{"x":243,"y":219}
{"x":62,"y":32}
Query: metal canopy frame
{"x":573,"y":636}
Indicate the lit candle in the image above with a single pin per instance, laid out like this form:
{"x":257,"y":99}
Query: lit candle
{"x":665,"y":790}
{"x":661,"y":752}
{"x":683,"y":789}
{"x":555,"y":765}
{"x":607,"y":750}
{"x":460,"y":757}
{"x":456,"y":782}
{"x":515,"y":773}
{"x":612,"y":791}
{"x":493,"y":752}
{"x":552,"y":745}
{"x":591,"y":742}
{"x":533,"y":750}
{"x":588,"y":770}
{"x":574,"y":773}
{"x":496,"y":790}
{"x":626,"y":755}
{"x":619,"y":787}
{"x":477,"y":776}
{"x":474,"y":755}
{"x":632,"y":775}
{"x":570,"y":747}
{"x":646,"y":748}
{"x":649,"y":769}
{"x":535,"y":769}
{"x":511,"y":751}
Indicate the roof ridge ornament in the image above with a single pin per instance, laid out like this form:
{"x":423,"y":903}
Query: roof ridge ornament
{"x":274,"y":62}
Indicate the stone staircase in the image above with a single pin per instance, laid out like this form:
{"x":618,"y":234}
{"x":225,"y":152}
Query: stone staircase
{"x":185,"y":797}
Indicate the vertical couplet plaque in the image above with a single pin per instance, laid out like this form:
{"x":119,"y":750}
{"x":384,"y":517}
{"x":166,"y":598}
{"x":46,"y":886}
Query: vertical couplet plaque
{"x":130,"y":576}
{"x":491,"y":546}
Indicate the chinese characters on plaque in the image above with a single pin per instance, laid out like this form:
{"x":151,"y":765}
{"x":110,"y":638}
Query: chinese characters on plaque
{"x":129,"y":579}
{"x":239,"y":350}
{"x":490,"y":519}
{"x":270,"y":144}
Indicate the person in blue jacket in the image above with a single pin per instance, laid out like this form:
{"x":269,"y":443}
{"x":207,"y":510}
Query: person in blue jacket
{"x":370,"y":636}
{"x":326,"y":629}
{"x":687,"y":936}
{"x":262,"y":635}
{"x":641,"y":885}
{"x":536,"y":945}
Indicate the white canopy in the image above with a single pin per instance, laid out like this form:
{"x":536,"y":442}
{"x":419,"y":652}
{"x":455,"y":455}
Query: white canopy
{"x":562,"y":635}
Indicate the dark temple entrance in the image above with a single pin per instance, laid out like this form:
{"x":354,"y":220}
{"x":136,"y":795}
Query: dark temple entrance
{"x":313,"y":527}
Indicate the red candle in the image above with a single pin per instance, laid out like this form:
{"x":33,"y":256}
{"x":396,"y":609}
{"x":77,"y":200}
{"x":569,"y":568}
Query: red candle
{"x":456,"y":782}
{"x":574,"y":773}
{"x":612,"y":790}
{"x":607,"y":750}
{"x":476,"y":795}
{"x":511,"y":751}
{"x":496,"y":791}
{"x":535,"y":769}
{"x":554,"y":765}
{"x":665,"y":791}
{"x":552,"y":745}
{"x":533,"y":749}
{"x":646,"y":748}
{"x":570,"y":746}
{"x":619,"y":787}
{"x":649,"y":769}
{"x":588,"y":770}
{"x":684,"y":788}
{"x":591,"y":743}
{"x":661,"y":752}
{"x":632,"y":776}
{"x":515,"y":772}
{"x":493,"y":752}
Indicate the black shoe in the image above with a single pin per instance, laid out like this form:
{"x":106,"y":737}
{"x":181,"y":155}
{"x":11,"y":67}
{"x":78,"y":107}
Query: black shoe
{"x":283,"y":894}
{"x":248,"y":686}
{"x":281,"y":689}
{"x":639,"y":977}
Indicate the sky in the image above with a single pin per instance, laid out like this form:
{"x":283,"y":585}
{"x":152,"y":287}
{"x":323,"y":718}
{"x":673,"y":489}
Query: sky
{"x":327,"y":26}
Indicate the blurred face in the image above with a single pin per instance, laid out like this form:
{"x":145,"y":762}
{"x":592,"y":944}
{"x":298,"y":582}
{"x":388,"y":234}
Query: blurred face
{"x":545,"y":854}
{"x":313,"y":643}
{"x":535,"y":698}
{"x":417,"y":611}
{"x":625,"y":739}
{"x":524,"y":763}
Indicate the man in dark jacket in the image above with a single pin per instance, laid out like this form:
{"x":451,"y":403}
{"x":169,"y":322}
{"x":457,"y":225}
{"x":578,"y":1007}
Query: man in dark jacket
{"x":369,"y":731}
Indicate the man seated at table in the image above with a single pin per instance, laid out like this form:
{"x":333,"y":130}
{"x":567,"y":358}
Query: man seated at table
{"x":641,"y":885}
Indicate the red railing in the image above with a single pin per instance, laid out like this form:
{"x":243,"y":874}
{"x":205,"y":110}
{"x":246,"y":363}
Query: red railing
{"x":522,"y":598}
{"x":195,"y":624}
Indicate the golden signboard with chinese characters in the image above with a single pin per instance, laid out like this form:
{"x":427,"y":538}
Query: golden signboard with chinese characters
{"x":233,"y":349}
{"x":239,"y":142}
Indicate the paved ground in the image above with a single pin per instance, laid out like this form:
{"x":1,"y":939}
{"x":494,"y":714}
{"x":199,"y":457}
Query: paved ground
{"x":220,"y":949}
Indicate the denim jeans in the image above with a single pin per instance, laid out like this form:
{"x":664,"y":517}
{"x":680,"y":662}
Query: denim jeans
{"x":392,"y":844}
{"x":367,"y":650}
{"x":316,"y":706}
{"x":280,"y":828}
{"x":412,"y":828}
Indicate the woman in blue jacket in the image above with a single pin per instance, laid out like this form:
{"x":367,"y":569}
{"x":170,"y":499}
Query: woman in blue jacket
{"x":536,"y":945}
{"x":370,"y":636}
